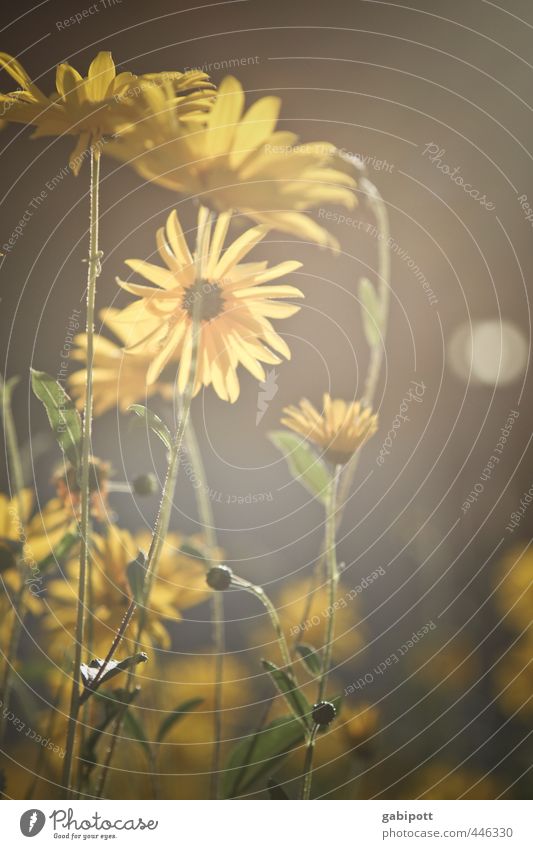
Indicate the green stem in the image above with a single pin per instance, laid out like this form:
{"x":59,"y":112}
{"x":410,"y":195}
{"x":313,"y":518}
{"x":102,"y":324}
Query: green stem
{"x":92,"y":276}
{"x":259,"y":593}
{"x":15,"y":466}
{"x":206,"y":518}
{"x":167,"y":498}
{"x":308,"y":763}
{"x":379,"y":210}
{"x":333,"y":580}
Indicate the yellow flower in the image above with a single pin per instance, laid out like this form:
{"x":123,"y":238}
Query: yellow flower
{"x":339,"y":431}
{"x":119,"y":379}
{"x":240,"y":161}
{"x":180,"y":584}
{"x":235,"y":308}
{"x":514,"y":592}
{"x":97,"y":105}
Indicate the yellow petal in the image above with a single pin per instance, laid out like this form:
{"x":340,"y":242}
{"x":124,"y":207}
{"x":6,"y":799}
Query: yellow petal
{"x":255,"y":129}
{"x":101,"y":77}
{"x":240,"y":247}
{"x":161,"y":277}
{"x":224,"y":117}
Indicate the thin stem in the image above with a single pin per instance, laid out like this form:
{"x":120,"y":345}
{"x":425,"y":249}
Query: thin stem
{"x":333,"y":580}
{"x":206,"y":518}
{"x":379,"y":210}
{"x":308,"y":763}
{"x":92,"y":276}
{"x":259,"y":593}
{"x":15,"y":466}
{"x":167,"y":497}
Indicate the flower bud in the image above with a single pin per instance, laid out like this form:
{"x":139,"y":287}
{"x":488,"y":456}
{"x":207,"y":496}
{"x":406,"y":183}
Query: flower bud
{"x":145,"y":484}
{"x":219,"y":577}
{"x":323,"y":713}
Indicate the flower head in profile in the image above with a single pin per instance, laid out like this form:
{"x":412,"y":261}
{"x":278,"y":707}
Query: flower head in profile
{"x":232,"y":159}
{"x":235,"y":308}
{"x":98,"y":105}
{"x":119,"y":380}
{"x":340,"y":430}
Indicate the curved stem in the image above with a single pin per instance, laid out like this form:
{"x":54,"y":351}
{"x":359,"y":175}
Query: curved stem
{"x":92,"y":275}
{"x":274,"y":619}
{"x":206,"y":518}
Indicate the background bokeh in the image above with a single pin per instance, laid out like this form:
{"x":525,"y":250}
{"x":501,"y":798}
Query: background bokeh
{"x":392,"y":83}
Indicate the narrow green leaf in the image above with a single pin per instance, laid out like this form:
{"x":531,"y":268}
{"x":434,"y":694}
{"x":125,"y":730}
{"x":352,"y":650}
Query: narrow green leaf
{"x":113,"y":702}
{"x":289,"y":690}
{"x":259,"y":754}
{"x":371,"y":312}
{"x":62,"y":549}
{"x":311,"y":658}
{"x":175,"y":716}
{"x":136,"y":572}
{"x":275,"y":790}
{"x":62,"y":414}
{"x":304,"y":465}
{"x":154,"y":423}
{"x":133,"y":724}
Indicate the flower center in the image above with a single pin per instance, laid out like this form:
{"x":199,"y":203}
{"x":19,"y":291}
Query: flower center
{"x":210,"y":297}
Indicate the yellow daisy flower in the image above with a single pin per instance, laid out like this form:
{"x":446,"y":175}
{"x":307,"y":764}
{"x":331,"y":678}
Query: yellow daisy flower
{"x":119,"y":379}
{"x":339,"y":431}
{"x":230,"y":160}
{"x":97,"y":105}
{"x":180,"y":584}
{"x":235,"y":308}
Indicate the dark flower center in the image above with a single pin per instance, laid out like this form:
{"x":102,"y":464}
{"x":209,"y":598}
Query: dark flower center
{"x":210,"y":297}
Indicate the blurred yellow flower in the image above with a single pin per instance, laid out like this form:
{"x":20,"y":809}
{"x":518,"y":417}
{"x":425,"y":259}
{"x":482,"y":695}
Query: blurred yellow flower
{"x":235,"y":308}
{"x":339,"y":431}
{"x":235,"y":161}
{"x":94,"y":106}
{"x":444,"y":781}
{"x":514,"y":587}
{"x":512,"y":678}
{"x":179,"y":585}
{"x":119,"y":379}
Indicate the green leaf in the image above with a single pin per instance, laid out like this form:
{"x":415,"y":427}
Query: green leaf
{"x":275,"y":790}
{"x":63,"y":416}
{"x":259,"y":754}
{"x":193,"y":551}
{"x":154,"y":423}
{"x":371,"y":312}
{"x":6,"y":389}
{"x":289,"y":690}
{"x":304,"y":465}
{"x":64,"y":546}
{"x":311,"y":658}
{"x":89,"y":672}
{"x":177,"y":715}
{"x":114,"y":702}
{"x":135,"y":727}
{"x":136,"y":572}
